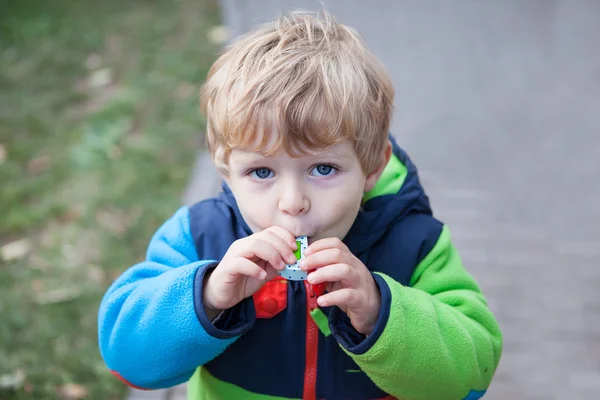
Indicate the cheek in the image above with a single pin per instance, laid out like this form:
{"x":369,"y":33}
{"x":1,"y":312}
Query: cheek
{"x":342,"y":206}
{"x":254,"y":208}
{"x":255,"y":211}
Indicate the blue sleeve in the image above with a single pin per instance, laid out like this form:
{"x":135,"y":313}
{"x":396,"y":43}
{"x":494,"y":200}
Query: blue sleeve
{"x":153,"y":332}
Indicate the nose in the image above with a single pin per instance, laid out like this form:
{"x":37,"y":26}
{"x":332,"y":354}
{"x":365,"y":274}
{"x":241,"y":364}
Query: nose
{"x":292,"y":201}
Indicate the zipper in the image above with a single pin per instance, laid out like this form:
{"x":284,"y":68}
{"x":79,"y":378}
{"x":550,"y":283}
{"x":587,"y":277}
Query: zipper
{"x":312,"y":346}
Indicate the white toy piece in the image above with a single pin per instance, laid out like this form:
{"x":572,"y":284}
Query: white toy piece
{"x":293,"y":272}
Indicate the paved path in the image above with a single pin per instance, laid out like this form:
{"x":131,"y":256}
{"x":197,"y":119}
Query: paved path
{"x":498,"y":103}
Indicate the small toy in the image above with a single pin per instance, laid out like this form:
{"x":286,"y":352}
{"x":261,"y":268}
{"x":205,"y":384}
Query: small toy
{"x":293,"y":272}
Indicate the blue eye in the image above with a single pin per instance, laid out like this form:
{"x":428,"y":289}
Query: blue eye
{"x":324,"y":170}
{"x":261,"y":173}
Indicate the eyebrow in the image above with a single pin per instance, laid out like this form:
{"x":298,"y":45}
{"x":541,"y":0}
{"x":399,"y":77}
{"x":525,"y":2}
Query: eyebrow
{"x":331,"y":154}
{"x":252,"y":157}
{"x":256,"y":158}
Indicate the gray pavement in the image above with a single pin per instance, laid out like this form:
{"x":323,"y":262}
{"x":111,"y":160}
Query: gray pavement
{"x":498,"y":103}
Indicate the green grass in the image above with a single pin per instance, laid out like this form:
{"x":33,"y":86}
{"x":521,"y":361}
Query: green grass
{"x":99,"y":127}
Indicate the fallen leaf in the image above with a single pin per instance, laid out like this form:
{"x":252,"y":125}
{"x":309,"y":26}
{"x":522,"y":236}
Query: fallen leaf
{"x":3,"y":153}
{"x":117,"y":221}
{"x":96,"y":274}
{"x":13,"y":380}
{"x":38,"y":165}
{"x":72,"y":391}
{"x":101,"y":78}
{"x":80,"y":250}
{"x":15,"y":250}
{"x":70,"y":215}
{"x":218,"y":34}
{"x":114,"y":222}
{"x":37,"y":285}
{"x":58,"y":296}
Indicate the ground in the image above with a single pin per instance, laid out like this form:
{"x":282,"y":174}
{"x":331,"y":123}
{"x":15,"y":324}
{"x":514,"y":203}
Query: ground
{"x":99,"y":127}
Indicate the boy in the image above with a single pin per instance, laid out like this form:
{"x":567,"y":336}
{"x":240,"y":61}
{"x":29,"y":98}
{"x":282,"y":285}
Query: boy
{"x":298,"y":113}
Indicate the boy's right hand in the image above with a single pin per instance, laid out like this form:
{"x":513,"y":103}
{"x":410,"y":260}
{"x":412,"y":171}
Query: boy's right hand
{"x":248,"y":264}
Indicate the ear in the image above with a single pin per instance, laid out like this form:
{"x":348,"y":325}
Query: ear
{"x":373,"y":177}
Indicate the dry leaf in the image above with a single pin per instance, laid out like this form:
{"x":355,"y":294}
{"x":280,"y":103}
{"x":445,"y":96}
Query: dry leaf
{"x":218,"y":34}
{"x":15,"y":250}
{"x":38,"y":165}
{"x":72,"y":391}
{"x":58,"y":296}
{"x":114,"y":222}
{"x":3,"y":154}
{"x":101,"y":78}
{"x":70,"y":215}
{"x":96,"y":274}
{"x":81,"y":250}
{"x":12,"y":381}
{"x":37,"y":285}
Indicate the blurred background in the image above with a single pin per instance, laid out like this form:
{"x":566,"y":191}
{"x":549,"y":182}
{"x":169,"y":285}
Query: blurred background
{"x":497,"y":102}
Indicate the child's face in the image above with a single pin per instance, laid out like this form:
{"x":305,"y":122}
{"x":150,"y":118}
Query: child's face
{"x":317,"y":195}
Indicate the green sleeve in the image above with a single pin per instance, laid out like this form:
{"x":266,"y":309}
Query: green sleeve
{"x":440,"y":341}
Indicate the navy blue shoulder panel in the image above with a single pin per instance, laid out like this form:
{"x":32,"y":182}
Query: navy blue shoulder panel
{"x":406,"y":244}
{"x":214,"y":227}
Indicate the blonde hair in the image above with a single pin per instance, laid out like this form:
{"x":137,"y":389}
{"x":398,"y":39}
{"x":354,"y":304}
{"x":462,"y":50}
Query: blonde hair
{"x":311,"y":80}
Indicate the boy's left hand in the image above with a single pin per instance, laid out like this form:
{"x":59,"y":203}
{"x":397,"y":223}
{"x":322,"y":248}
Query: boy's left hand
{"x":351,"y":286}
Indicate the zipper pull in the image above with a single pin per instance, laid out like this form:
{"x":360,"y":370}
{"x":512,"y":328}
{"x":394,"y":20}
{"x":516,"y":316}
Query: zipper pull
{"x":311,"y":297}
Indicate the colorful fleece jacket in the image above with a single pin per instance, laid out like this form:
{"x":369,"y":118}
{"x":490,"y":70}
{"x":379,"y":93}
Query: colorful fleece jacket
{"x":435,"y":337}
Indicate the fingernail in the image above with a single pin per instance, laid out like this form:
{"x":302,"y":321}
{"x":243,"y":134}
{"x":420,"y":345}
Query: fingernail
{"x":310,"y":279}
{"x":302,"y":264}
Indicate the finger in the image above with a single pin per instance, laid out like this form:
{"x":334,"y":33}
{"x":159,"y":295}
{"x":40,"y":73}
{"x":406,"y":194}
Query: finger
{"x":343,"y":273}
{"x":327,"y":243}
{"x":264,"y":250}
{"x":280,"y":244}
{"x":286,"y":235}
{"x":325,"y":257}
{"x":343,"y":298}
{"x":243,"y":266}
